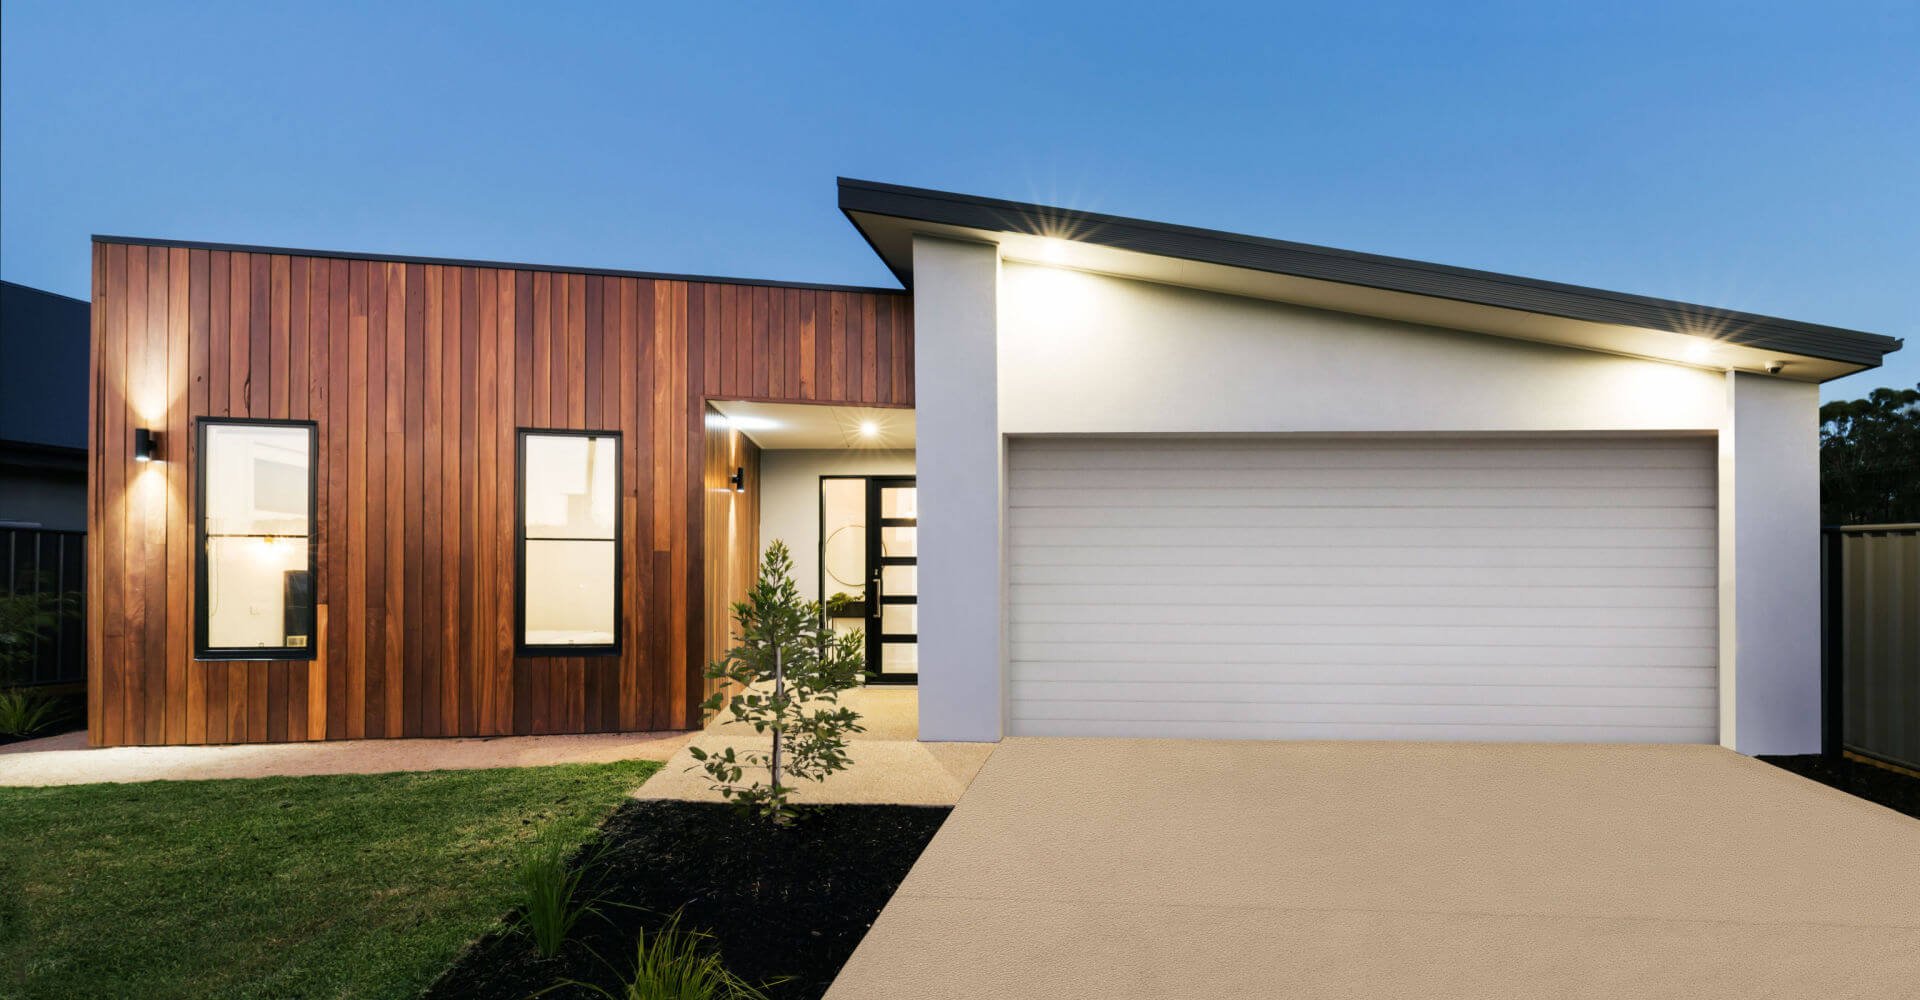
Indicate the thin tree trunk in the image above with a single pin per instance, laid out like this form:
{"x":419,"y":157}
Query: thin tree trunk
{"x":779,"y":688}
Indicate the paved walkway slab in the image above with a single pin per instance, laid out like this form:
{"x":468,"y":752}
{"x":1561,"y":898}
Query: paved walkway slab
{"x":1171,"y":869}
{"x":66,"y":760}
{"x":889,"y":764}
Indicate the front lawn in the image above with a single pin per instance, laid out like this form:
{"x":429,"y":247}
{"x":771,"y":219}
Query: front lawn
{"x":336,"y":886}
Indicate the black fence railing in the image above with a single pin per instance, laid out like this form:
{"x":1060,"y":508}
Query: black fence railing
{"x":1871,"y":621}
{"x":50,"y":565}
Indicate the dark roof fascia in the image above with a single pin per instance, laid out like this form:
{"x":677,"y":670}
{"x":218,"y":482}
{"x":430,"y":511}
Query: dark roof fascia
{"x":1354,"y":268}
{"x":501,"y":265}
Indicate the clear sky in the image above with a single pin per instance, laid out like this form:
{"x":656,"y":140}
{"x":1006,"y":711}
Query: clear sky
{"x":1757,"y":156}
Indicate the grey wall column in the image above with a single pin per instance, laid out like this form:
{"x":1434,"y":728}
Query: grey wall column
{"x":961,"y":463}
{"x":1770,"y":566}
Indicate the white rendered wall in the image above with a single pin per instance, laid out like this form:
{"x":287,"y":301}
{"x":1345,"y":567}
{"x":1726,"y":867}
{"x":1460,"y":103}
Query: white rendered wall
{"x":1770,"y":566}
{"x":790,"y":499}
{"x":1087,"y":353}
{"x":961,"y":478}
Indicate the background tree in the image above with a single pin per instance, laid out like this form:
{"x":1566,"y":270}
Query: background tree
{"x":787,"y":674}
{"x":1870,"y":459}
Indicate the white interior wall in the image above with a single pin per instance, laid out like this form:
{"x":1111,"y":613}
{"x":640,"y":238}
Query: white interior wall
{"x":790,"y":499}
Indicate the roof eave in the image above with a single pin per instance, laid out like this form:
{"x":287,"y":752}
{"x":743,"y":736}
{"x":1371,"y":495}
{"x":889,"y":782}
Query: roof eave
{"x":1389,"y":274}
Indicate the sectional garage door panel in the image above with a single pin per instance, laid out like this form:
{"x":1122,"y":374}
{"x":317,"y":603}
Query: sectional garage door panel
{"x":1524,"y":589}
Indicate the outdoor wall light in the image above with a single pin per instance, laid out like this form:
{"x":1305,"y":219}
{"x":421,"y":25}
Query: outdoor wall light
{"x":146,"y":445}
{"x":1054,"y":250}
{"x":738,"y":480}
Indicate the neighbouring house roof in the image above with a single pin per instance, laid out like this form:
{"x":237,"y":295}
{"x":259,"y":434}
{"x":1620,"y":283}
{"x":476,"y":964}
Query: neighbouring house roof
{"x":888,"y":216}
{"x":43,"y":371}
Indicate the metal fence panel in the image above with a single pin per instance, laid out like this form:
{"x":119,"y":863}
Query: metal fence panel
{"x":49,"y":562}
{"x":1878,"y":607}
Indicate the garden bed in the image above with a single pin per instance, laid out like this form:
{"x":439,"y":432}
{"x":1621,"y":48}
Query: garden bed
{"x":779,"y":902}
{"x":1897,"y":791}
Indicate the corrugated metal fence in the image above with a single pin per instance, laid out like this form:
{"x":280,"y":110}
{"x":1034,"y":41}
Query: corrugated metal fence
{"x":37,"y":561}
{"x":1872,"y":623}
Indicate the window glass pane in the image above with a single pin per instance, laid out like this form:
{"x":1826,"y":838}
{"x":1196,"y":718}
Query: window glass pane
{"x":570,"y":513}
{"x":570,"y":593}
{"x":900,"y":581}
{"x":257,"y":480}
{"x":898,"y":501}
{"x":843,"y":538}
{"x":899,"y":619}
{"x":899,"y":541}
{"x":257,"y":586}
{"x":570,"y":486}
{"x":899,"y":658}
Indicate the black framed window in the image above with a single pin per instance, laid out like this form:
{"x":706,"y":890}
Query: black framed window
{"x":568,"y":575}
{"x":254,"y":551}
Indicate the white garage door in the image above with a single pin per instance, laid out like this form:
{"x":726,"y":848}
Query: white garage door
{"x":1533,"y":589}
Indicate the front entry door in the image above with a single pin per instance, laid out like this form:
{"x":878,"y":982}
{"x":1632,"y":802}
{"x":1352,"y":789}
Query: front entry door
{"x":893,"y":580}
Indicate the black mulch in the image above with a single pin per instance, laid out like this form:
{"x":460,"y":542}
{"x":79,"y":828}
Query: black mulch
{"x":790,"y":901}
{"x":1896,"y":791}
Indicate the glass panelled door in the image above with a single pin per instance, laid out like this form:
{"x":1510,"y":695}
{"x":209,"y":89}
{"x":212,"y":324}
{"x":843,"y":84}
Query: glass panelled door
{"x":893,"y":583}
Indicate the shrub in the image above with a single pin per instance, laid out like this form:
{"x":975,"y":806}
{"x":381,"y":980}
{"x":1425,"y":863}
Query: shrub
{"x":550,"y":900}
{"x":787,"y":673}
{"x":25,"y":619}
{"x":674,"y":964}
{"x":24,"y":712}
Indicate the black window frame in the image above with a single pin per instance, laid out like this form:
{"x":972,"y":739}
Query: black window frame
{"x":202,"y":649}
{"x":520,"y":645}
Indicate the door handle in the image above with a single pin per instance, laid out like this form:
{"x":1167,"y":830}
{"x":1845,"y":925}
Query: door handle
{"x":873,"y":596}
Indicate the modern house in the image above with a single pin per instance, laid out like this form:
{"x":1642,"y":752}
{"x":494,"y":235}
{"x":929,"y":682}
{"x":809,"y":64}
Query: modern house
{"x":1176,"y":482}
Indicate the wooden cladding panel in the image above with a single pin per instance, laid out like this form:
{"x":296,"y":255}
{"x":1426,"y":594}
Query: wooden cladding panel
{"x":732,"y":536}
{"x":417,"y":377}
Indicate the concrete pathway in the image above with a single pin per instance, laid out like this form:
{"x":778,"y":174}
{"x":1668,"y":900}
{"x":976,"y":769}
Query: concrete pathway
{"x":1171,"y":869}
{"x":66,"y":759}
{"x":889,"y":765}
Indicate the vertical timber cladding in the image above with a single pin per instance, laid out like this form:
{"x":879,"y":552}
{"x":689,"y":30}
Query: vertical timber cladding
{"x":417,"y":374}
{"x":732,"y":532}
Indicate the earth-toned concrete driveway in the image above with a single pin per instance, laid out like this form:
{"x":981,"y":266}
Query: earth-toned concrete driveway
{"x":1160,"y":868}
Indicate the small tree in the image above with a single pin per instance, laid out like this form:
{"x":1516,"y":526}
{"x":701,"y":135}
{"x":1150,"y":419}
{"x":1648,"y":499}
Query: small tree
{"x":789,"y":669}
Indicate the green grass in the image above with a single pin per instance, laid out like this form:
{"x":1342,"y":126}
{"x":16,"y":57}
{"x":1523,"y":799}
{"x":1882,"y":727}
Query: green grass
{"x":323,"y":887}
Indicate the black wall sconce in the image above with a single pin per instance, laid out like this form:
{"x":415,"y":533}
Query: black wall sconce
{"x":738,"y":480}
{"x":146,"y":445}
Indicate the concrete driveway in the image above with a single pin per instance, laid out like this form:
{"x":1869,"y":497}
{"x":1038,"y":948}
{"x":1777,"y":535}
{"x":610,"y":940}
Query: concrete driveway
{"x":1161,"y":868}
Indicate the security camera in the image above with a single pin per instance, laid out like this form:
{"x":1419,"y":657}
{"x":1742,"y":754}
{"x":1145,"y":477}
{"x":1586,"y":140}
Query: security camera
{"x":1774,"y":367}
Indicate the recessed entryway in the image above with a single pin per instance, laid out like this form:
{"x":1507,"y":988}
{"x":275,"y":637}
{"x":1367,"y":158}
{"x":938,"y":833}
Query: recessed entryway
{"x":836,"y":484}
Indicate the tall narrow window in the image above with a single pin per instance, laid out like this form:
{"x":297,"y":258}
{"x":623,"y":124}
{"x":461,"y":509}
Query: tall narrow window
{"x":569,"y":542}
{"x":255,"y":553}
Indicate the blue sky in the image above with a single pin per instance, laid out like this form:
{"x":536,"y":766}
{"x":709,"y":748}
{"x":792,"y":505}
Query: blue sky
{"x":1749,"y":155}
